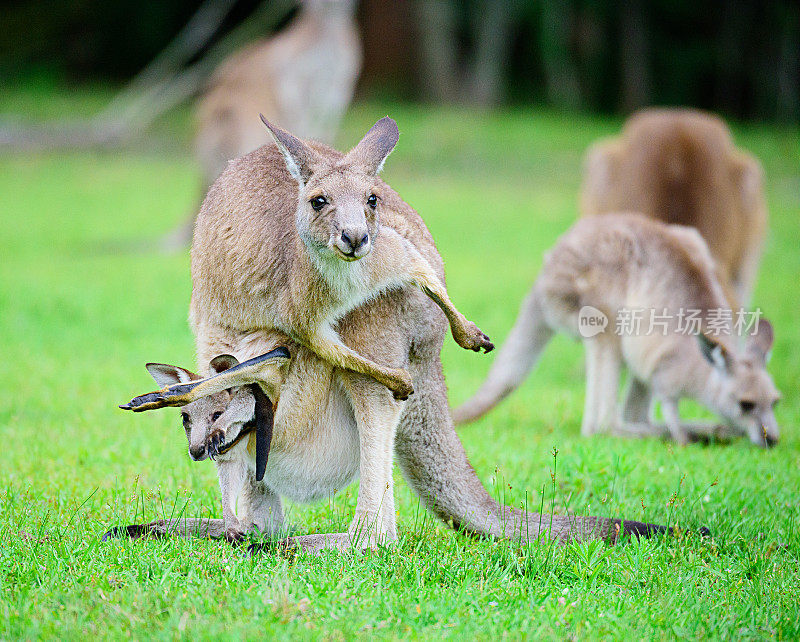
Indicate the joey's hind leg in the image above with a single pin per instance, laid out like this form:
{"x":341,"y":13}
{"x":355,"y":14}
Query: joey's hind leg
{"x":669,"y":407}
{"x":602,"y":380}
{"x":638,"y":399}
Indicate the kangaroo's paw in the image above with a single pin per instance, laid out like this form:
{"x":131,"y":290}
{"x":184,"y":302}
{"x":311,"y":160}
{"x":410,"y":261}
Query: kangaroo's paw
{"x":233,"y":535}
{"x":471,"y":337}
{"x":401,"y":384}
{"x":214,"y":441}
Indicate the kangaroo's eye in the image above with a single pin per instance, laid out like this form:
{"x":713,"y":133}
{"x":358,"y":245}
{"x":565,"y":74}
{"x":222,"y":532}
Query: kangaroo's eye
{"x":318,"y":202}
{"x":372,"y":201}
{"x":186,"y":420}
{"x":216,"y":415}
{"x":747,"y":406}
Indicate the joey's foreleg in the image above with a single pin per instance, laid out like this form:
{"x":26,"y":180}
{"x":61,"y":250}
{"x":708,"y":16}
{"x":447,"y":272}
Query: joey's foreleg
{"x":182,"y":527}
{"x":329,"y":346}
{"x":232,"y":476}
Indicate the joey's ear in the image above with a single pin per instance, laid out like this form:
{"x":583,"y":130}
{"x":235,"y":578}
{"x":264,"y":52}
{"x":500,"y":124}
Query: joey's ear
{"x":167,"y":375}
{"x":222,"y":363}
{"x":296,"y":154}
{"x":373,"y":149}
{"x":759,"y":344}
{"x":715,"y":353}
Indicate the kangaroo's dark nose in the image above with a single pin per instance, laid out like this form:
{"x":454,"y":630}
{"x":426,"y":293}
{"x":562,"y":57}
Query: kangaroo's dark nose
{"x":352,"y":241}
{"x":770,"y":441}
{"x":197,"y":452}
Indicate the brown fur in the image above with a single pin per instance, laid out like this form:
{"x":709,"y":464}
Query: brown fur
{"x":681,"y":167}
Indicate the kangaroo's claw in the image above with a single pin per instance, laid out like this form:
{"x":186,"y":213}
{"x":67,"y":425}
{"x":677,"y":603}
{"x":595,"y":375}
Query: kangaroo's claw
{"x":401,"y":385}
{"x":471,"y":337}
{"x":214,"y":443}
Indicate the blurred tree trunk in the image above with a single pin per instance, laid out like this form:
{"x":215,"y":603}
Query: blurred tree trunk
{"x":636,"y":87}
{"x":561,"y":76}
{"x":788,"y":98}
{"x":729,"y":92}
{"x":493,"y":28}
{"x":438,"y":45}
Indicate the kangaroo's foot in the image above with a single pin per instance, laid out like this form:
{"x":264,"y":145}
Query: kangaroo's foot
{"x":214,"y":442}
{"x":234,"y":535}
{"x":256,"y":370}
{"x":315,"y":544}
{"x":471,"y":337}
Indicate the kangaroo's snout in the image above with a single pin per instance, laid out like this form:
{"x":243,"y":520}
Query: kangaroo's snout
{"x":198,"y":452}
{"x":353,"y":243}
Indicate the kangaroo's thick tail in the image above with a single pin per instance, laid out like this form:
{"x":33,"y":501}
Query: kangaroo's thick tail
{"x":434,"y":464}
{"x":513,"y":362}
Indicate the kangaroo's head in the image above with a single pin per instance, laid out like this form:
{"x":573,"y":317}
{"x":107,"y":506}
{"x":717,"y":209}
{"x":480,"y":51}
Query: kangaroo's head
{"x":228,"y":410}
{"x":745,"y":395}
{"x":339,"y":204}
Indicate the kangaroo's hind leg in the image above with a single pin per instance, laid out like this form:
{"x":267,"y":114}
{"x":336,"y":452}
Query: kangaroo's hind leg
{"x":603,"y":362}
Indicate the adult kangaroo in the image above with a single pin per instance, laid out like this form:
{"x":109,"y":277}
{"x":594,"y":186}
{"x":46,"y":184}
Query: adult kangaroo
{"x":332,"y":424}
{"x":681,"y":166}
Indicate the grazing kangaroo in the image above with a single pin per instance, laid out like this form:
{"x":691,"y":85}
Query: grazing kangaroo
{"x":680,"y":166}
{"x":332,"y":424}
{"x":319,"y":264}
{"x":624,"y":262}
{"x":302,"y":78}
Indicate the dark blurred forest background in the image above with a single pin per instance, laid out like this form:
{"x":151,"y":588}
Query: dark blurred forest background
{"x":740,"y":58}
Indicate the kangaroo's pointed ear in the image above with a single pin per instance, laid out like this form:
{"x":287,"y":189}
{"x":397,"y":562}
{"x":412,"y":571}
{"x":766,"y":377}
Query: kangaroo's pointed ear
{"x":222,"y":363}
{"x":373,"y":149}
{"x":296,"y":154}
{"x":167,"y":375}
{"x":759,"y":344}
{"x":715,"y":353}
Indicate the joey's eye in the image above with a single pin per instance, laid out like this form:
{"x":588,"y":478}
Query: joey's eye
{"x":185,"y":418}
{"x":216,"y":415}
{"x":372,"y":201}
{"x":747,"y":406}
{"x":318,"y":202}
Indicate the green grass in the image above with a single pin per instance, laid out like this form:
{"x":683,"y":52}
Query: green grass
{"x":79,"y":318}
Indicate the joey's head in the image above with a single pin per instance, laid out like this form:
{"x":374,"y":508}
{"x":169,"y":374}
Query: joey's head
{"x":228,"y":410}
{"x":339,"y":201}
{"x":745,"y":395}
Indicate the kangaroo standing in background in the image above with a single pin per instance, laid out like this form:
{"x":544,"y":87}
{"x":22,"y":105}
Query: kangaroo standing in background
{"x":332,"y":424}
{"x":627,"y":261}
{"x":302,"y":78}
{"x":680,"y":166}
